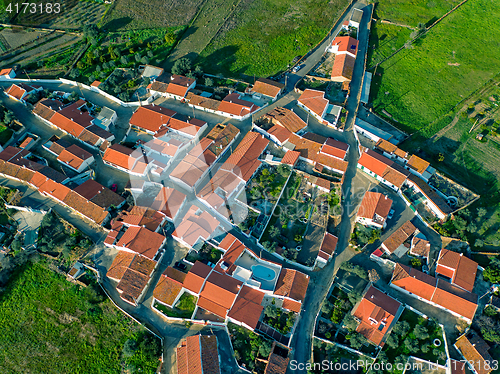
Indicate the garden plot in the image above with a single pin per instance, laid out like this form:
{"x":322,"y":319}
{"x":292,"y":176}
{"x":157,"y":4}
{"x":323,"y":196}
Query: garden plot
{"x":32,"y":52}
{"x":288,"y":224}
{"x":13,"y":38}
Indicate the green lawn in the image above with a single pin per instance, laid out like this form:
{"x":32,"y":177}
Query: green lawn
{"x":5,"y":134}
{"x":419,"y":85}
{"x":411,"y":12}
{"x":53,"y":326}
{"x":385,"y":39}
{"x":262,"y":37}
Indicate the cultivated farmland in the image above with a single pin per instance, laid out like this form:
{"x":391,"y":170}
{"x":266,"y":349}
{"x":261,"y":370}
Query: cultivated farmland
{"x":412,"y":12}
{"x":262,"y":37}
{"x":73,"y":14}
{"x":417,"y":86}
{"x":142,"y":14}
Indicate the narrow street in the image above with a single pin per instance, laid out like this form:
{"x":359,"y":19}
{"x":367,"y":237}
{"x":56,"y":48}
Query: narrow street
{"x":321,"y":281}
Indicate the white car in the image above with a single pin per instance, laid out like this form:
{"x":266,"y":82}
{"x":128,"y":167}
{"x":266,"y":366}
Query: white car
{"x":391,"y":214}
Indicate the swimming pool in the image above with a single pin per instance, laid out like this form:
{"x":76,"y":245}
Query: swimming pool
{"x":263,"y":273}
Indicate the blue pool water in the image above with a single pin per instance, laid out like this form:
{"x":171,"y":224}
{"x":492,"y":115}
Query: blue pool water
{"x":263,"y":273}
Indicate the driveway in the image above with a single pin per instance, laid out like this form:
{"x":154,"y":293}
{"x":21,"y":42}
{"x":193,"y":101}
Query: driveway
{"x":29,"y":223}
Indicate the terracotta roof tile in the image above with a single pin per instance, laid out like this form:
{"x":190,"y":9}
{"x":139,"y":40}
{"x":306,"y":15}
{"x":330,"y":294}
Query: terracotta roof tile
{"x":475,"y":350}
{"x":292,"y":283}
{"x":168,"y":201}
{"x":374,"y":203}
{"x":278,"y":361}
{"x":290,"y":158}
{"x":267,"y":87}
{"x":418,"y":164}
{"x":120,"y":264}
{"x":246,"y":311}
{"x":196,"y":277}
{"x":314,"y":100}
{"x":167,"y":290}
{"x":292,"y":305}
{"x":142,"y":241}
{"x":85,"y":207}
{"x":151,"y":117}
{"x":74,"y":156}
{"x":399,"y":236}
{"x":209,"y":354}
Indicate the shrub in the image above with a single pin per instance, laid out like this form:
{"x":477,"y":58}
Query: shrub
{"x":181,"y":66}
{"x":421,"y":332}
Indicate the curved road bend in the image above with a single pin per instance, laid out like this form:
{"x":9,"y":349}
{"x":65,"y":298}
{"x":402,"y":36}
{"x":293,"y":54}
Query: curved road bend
{"x":321,"y":281}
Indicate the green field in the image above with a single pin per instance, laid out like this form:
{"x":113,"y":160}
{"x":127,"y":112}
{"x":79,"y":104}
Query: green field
{"x":53,"y":326}
{"x":385,"y":39}
{"x":469,"y":161}
{"x":411,"y":12}
{"x":145,"y":14}
{"x":262,"y":37}
{"x":417,"y":86}
{"x":202,"y":30}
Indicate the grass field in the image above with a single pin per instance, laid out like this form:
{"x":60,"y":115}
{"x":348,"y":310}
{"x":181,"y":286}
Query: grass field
{"x":419,"y":85}
{"x":469,"y":161}
{"x":263,"y":36}
{"x":411,"y":12}
{"x":202,"y":30}
{"x":144,"y":14}
{"x":53,"y":326}
{"x":385,"y":39}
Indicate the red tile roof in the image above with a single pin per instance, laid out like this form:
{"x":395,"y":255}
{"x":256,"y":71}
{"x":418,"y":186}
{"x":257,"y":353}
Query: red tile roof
{"x":376,"y":312}
{"x":85,"y":207}
{"x":179,"y":85}
{"x":292,"y":284}
{"x":461,"y":268}
{"x":74,"y":114}
{"x":475,"y":351}
{"x":399,"y":236}
{"x":74,"y":156}
{"x":56,"y":190}
{"x":267,"y":87}
{"x":168,"y":201}
{"x":343,"y":66}
{"x":346,"y":44}
{"x":167,"y":290}
{"x":196,"y":277}
{"x":314,"y":100}
{"x":335,"y":148}
{"x":220,"y":289}
{"x":246,"y":311}
{"x":151,"y":117}
{"x":286,"y":118}
{"x":232,"y":104}
{"x":278,"y":361}
{"x":232,"y":254}
{"x":374,"y":203}
{"x":435,"y":290}
{"x":142,"y":241}
{"x":67,"y":125}
{"x":209,"y":354}
{"x":195,"y":226}
{"x":328,"y":245}
{"x":198,"y":354}
{"x":292,"y":305}
{"x":16,"y":91}
{"x":120,"y":264}
{"x":290,"y":158}
{"x":418,"y":164}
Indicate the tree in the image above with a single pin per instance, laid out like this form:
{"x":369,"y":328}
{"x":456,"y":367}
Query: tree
{"x":181,"y":66}
{"x":401,"y":328}
{"x":421,"y":332}
{"x":271,"y":311}
{"x":479,"y":243}
{"x":440,"y":157}
{"x":74,"y":73}
{"x":283,"y":170}
{"x":327,"y":307}
{"x":129,"y":348}
{"x":350,"y":322}
{"x":145,"y":60}
{"x":137,"y":57}
{"x":209,"y":82}
{"x":170,"y":38}
{"x":411,"y":345}
{"x":117,"y":89}
{"x":91,"y":33}
{"x":150,"y":54}
{"x":354,"y":297}
{"x":416,"y":262}
{"x":80,"y":65}
{"x":123,"y":96}
{"x":392,"y":341}
{"x":124,"y":60}
{"x":198,"y":72}
{"x":274,"y":231}
{"x":357,"y":340}
{"x":425,"y":348}
{"x":265,"y":348}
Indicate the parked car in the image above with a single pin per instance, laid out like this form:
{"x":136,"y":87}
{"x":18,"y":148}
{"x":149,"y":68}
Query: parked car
{"x":180,"y":265}
{"x":391,"y":214}
{"x":298,"y":67}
